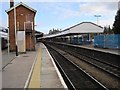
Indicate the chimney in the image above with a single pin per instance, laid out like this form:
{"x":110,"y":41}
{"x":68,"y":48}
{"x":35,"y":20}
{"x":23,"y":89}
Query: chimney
{"x":11,"y":3}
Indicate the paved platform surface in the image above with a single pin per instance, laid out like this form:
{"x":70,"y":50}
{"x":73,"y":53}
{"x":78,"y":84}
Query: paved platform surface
{"x":45,"y":74}
{"x":34,"y":69}
{"x":49,"y":76}
{"x":91,"y":46}
{"x":113,"y":51}
{"x":7,"y":57}
{"x":15,"y":74}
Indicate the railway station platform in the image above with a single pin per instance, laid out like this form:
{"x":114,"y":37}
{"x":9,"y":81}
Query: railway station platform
{"x":35,"y":69}
{"x":107,"y":50}
{"x":91,"y":46}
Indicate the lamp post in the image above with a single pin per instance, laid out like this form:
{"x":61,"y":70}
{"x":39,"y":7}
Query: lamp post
{"x":8,"y":41}
{"x":97,"y":16}
{"x":16,"y":47}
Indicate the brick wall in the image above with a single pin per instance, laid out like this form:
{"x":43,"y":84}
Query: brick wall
{"x":21,"y":17}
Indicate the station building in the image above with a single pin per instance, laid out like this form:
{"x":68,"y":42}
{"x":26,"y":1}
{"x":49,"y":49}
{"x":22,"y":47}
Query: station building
{"x":25,"y":31}
{"x":81,"y":33}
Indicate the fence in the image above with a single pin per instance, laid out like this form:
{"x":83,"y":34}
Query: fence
{"x":107,"y":41}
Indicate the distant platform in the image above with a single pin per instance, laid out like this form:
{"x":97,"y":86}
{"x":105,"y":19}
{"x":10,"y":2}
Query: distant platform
{"x":107,"y":50}
{"x":91,"y":46}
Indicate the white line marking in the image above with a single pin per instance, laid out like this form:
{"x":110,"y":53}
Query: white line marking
{"x":30,"y":73}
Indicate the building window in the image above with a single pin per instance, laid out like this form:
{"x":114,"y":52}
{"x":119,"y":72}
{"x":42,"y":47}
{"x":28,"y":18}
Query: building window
{"x":29,"y":17}
{"x":18,"y":26}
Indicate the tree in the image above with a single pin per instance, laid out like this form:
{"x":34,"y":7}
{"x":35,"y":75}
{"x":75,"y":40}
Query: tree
{"x":54,"y":31}
{"x":50,"y":32}
{"x":105,"y":30}
{"x":108,"y":30}
{"x":116,"y":25}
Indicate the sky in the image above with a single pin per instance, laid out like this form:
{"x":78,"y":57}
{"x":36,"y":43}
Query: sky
{"x":62,"y":14}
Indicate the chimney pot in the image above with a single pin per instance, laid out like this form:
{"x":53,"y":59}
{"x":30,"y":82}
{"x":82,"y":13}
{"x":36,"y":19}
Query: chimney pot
{"x":11,"y":3}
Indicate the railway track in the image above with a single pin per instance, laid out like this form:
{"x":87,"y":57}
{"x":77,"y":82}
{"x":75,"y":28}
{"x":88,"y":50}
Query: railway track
{"x":106,"y":66}
{"x":76,"y":76}
{"x":104,"y":57}
{"x":103,"y":74}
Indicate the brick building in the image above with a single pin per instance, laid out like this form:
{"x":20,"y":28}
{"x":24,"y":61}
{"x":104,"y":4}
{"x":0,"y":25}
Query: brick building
{"x":25,"y":31}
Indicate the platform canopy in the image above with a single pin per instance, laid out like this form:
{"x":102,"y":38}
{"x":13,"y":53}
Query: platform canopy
{"x":81,"y":28}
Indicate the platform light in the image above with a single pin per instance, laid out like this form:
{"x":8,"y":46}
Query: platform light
{"x":97,"y":16}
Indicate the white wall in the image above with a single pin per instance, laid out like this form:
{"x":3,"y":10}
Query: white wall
{"x":21,"y":41}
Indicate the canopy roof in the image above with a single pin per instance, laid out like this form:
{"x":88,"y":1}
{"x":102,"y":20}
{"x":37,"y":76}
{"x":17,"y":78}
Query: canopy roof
{"x":81,"y":28}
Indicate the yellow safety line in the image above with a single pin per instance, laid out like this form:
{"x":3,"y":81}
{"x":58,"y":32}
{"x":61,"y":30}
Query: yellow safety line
{"x":35,"y":78}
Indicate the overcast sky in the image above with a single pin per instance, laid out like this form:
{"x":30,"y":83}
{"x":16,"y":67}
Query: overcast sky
{"x":63,"y":14}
